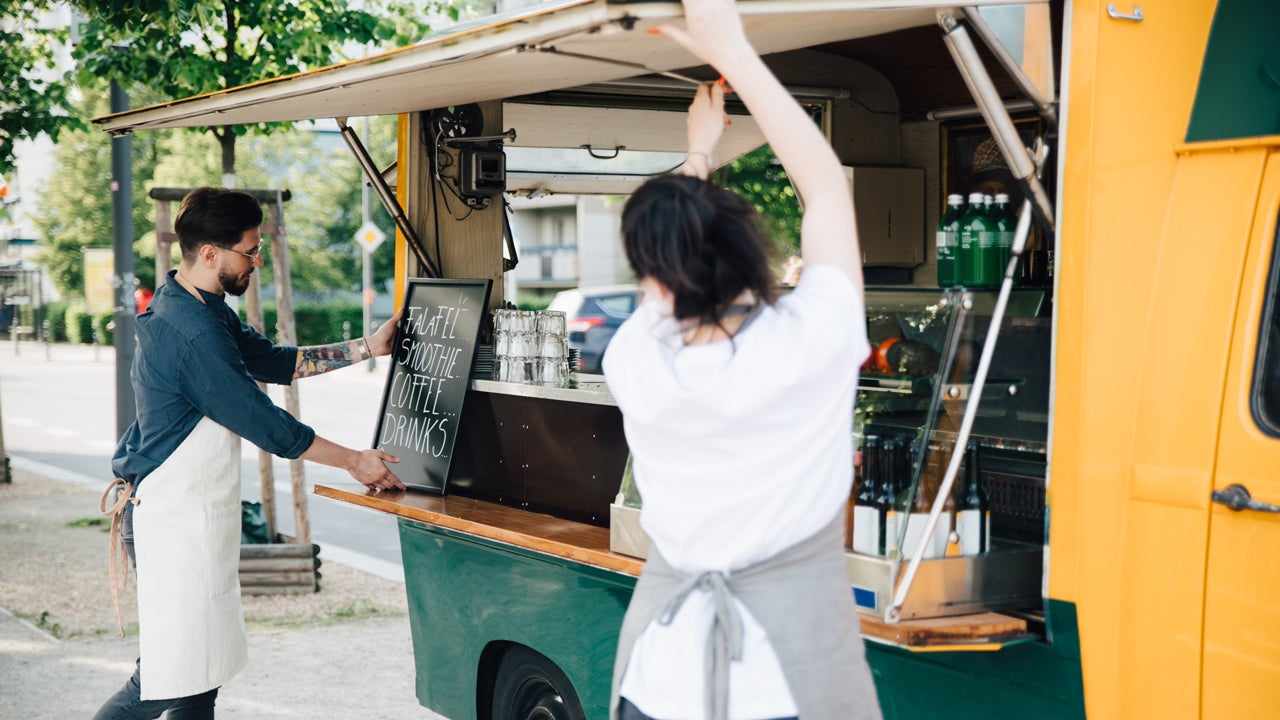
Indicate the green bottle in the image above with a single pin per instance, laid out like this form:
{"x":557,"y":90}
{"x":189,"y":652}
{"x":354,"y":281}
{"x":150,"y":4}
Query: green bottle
{"x":1006,"y":223}
{"x":975,"y":229}
{"x":948,"y":239}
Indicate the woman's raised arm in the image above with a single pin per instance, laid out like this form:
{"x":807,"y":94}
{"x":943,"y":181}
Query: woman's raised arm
{"x":828,"y":232}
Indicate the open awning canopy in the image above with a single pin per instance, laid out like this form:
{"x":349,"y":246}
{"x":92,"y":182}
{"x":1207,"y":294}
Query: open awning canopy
{"x":567,"y":45}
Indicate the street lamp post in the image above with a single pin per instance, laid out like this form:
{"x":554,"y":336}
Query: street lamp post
{"x":122,"y":251}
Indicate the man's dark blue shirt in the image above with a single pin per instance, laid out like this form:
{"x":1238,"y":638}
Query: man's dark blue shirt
{"x":197,"y":360}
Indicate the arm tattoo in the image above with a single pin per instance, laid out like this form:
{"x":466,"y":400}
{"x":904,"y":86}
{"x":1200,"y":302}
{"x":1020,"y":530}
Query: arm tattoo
{"x":319,"y":359}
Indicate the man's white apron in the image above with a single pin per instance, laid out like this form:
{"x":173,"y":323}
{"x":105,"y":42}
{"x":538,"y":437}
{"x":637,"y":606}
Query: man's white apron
{"x":186,"y":531}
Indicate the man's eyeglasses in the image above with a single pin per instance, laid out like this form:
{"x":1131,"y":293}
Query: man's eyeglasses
{"x":253,"y":254}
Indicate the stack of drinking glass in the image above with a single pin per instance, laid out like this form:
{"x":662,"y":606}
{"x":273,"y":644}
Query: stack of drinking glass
{"x":531,"y":347}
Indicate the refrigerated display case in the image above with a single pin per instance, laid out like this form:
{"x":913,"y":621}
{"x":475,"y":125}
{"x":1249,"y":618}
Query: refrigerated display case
{"x":926,"y":343}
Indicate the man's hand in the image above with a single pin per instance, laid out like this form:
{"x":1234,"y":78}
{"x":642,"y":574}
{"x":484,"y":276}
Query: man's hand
{"x":380,"y":341}
{"x":367,"y":466}
{"x":370,"y":468}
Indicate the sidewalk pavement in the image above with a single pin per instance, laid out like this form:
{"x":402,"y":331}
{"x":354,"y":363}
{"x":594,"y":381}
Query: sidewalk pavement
{"x":344,"y":652}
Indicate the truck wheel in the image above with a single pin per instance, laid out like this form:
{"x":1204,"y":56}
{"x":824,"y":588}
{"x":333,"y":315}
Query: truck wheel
{"x":528,"y":686}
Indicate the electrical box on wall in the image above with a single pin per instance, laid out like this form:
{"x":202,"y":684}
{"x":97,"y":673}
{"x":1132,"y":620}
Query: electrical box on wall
{"x":889,"y":202}
{"x":484,"y":172}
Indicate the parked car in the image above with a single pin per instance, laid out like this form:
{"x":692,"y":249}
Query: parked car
{"x":593,"y":315}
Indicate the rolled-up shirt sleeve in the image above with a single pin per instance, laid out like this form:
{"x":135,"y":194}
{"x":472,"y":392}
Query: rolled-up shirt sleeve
{"x":265,"y":361}
{"x":217,"y":382}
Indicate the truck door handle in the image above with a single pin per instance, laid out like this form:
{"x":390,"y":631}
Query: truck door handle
{"x":1237,"y":497}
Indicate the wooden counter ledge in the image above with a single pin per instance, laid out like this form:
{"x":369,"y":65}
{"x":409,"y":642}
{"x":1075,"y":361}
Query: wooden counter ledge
{"x":542,"y":533}
{"x":590,"y":545}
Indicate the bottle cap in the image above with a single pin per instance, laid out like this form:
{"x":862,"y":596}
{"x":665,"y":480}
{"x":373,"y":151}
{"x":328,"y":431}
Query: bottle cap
{"x":955,"y":199}
{"x":975,"y":198}
{"x":988,"y":199}
{"x":1002,"y":197}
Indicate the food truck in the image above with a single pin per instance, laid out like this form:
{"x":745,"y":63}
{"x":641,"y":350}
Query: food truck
{"x":1110,"y":404}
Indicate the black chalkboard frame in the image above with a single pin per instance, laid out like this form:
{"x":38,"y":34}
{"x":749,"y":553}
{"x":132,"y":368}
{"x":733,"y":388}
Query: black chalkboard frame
{"x":429,"y":471}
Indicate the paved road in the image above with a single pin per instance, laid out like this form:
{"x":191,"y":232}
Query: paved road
{"x":59,"y":417}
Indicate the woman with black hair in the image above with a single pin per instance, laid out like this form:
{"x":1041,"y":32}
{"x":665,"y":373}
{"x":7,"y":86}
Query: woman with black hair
{"x":738,"y":410}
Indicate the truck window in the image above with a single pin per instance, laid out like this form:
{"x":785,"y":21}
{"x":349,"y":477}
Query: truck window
{"x":1266,"y":373}
{"x":1240,"y":76}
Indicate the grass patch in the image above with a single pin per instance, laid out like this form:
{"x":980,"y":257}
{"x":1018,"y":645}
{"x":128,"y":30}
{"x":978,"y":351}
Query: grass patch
{"x":99,"y":522}
{"x":42,"y":621}
{"x":358,"y":609}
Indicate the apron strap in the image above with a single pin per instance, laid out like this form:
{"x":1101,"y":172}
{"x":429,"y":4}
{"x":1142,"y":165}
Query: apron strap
{"x":117,"y":556}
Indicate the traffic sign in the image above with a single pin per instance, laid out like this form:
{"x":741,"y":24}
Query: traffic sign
{"x":369,"y":237}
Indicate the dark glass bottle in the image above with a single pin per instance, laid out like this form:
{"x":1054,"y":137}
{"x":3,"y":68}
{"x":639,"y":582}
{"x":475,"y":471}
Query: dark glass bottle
{"x":921,"y":504}
{"x":1006,"y":224}
{"x":973,"y":521}
{"x":976,"y":241}
{"x":948,"y":241}
{"x":886,"y":495}
{"x":866,"y":515}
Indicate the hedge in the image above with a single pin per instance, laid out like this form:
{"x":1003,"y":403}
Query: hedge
{"x":534,"y":302}
{"x":316,"y":324}
{"x":101,"y":321}
{"x":79,"y":324}
{"x":56,"y":314}
{"x":73,"y":323}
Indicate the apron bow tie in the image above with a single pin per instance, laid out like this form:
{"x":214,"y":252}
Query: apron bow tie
{"x":119,"y":569}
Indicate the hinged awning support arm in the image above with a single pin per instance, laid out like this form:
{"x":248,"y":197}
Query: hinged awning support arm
{"x":989,"y":103}
{"x":388,"y":200}
{"x":1044,"y":105}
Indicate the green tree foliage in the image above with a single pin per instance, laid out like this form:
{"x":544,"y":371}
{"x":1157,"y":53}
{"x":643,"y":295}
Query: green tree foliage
{"x":181,"y":48}
{"x":75,"y":207}
{"x":318,"y":170}
{"x":33,"y":92}
{"x":759,"y":177}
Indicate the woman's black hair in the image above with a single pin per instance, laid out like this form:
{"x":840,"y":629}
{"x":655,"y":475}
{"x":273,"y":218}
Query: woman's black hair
{"x":702,"y":242}
{"x":214,"y":216}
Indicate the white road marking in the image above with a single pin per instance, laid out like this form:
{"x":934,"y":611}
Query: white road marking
{"x":61,"y":432}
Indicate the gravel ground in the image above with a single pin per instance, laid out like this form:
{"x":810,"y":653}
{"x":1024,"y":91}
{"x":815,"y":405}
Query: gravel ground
{"x":340,"y":653}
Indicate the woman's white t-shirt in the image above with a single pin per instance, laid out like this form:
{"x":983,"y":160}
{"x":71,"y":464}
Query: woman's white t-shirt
{"x":741,"y":449}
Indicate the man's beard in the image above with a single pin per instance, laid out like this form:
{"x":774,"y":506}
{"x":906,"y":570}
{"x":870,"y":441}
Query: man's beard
{"x":232,"y":282}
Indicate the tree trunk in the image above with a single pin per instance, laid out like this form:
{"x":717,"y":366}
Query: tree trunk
{"x":227,"y":139}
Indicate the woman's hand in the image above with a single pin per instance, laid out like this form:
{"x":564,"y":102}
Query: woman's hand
{"x":706,"y":124}
{"x":380,"y":341}
{"x":713,"y":31}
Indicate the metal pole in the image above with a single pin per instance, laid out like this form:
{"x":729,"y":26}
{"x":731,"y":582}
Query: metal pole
{"x":122,"y":247}
{"x":389,"y":201}
{"x":366,"y":297}
{"x":6,"y":476}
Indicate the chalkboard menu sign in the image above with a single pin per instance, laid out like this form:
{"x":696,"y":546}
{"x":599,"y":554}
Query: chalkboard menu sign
{"x":429,"y":376}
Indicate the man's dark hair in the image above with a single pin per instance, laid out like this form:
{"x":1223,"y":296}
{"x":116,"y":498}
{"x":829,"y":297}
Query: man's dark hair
{"x":214,"y":216}
{"x":702,"y":242}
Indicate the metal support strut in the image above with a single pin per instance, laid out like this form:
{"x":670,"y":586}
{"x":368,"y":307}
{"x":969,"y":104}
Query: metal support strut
{"x":1044,"y":105}
{"x":388,"y":200}
{"x":993,"y":112}
{"x":970,"y":411}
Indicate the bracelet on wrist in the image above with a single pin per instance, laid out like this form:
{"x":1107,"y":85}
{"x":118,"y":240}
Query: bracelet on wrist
{"x":365,"y":345}
{"x":710,"y":162}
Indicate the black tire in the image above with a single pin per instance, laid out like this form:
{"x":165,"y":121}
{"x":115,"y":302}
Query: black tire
{"x":528,"y":686}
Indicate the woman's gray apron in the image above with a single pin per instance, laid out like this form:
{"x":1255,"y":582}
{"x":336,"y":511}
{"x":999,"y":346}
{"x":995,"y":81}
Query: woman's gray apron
{"x":187,"y":541}
{"x":800,"y":597}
